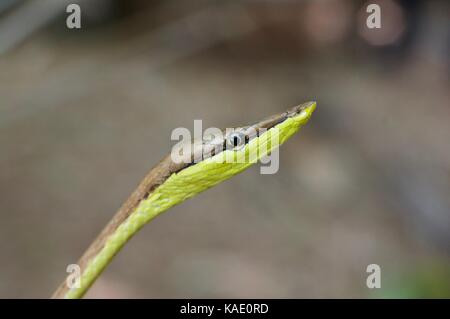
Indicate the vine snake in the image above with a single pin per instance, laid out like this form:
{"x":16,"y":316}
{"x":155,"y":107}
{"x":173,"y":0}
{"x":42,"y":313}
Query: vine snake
{"x":170,"y":183}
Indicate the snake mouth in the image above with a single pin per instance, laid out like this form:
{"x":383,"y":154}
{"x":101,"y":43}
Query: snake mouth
{"x":274,"y":120}
{"x":296,"y":110}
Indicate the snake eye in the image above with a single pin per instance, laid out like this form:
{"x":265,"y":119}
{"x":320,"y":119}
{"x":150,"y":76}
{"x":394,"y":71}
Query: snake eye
{"x":236,"y":140}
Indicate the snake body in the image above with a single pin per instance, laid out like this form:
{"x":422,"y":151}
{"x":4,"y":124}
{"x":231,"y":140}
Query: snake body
{"x":170,"y":183}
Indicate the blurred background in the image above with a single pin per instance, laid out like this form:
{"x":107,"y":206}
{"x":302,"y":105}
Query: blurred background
{"x":85,"y":113}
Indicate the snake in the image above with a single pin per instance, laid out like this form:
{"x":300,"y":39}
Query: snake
{"x":171,"y":182}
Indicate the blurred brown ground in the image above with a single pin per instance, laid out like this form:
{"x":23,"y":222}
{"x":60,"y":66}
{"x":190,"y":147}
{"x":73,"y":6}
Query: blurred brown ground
{"x":85,"y":114}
